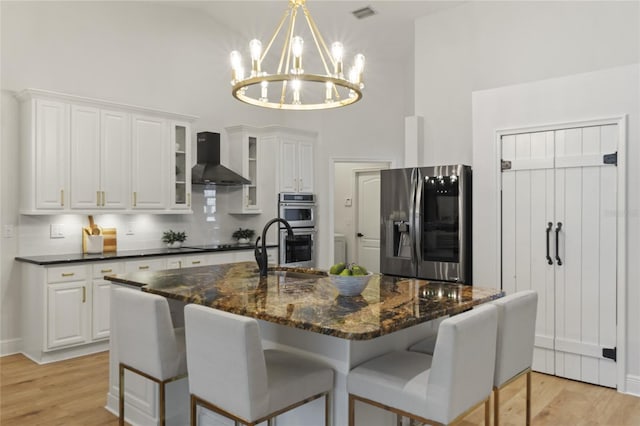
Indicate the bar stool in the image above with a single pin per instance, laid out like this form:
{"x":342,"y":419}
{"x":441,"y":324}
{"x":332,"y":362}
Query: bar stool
{"x":231,"y":374}
{"x":514,"y":353}
{"x":514,"y":347}
{"x":147,"y":343}
{"x":441,"y":388}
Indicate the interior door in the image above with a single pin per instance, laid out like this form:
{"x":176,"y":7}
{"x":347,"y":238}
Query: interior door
{"x":368,"y":226}
{"x":559,"y":238}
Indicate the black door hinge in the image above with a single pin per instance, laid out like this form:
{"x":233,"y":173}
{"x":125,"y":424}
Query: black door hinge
{"x":610,"y":353}
{"x":610,"y":158}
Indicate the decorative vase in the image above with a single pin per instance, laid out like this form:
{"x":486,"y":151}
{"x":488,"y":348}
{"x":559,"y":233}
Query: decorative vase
{"x":175,"y":244}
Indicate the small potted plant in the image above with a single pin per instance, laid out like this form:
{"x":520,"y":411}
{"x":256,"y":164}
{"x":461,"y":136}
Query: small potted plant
{"x":243,"y":235}
{"x":173,"y":239}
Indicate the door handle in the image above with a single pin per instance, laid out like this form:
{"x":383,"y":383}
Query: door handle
{"x":558,"y":228}
{"x":360,"y":234}
{"x":549,"y":260}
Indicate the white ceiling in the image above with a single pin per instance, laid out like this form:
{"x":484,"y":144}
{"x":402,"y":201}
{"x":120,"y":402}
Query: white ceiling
{"x":388,"y":34}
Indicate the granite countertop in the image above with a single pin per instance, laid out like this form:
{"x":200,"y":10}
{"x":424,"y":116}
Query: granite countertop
{"x":55,"y":259}
{"x":310,"y":301}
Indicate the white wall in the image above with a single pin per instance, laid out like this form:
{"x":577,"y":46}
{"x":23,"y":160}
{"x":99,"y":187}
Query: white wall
{"x":162,"y":56}
{"x":482,"y":45}
{"x":485,"y":44}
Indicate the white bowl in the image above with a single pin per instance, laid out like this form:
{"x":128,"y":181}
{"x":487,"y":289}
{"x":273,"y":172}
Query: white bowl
{"x":350,"y":285}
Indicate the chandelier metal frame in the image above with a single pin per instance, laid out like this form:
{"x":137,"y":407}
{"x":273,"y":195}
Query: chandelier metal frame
{"x":291,"y":59}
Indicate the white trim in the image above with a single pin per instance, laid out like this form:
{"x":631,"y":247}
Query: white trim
{"x":633,"y":385}
{"x":10,"y":346}
{"x":332,"y":187}
{"x":621,"y":287}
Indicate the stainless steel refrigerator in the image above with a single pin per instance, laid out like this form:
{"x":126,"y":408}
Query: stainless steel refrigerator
{"x":425,"y":224}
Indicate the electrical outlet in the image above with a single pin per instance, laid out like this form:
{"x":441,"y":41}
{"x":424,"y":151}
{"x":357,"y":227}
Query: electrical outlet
{"x":8,"y":231}
{"x":56,"y":230}
{"x":130,"y":228}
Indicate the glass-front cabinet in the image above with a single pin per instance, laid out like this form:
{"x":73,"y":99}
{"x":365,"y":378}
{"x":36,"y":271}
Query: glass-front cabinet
{"x":181,"y":166}
{"x":244,"y":157}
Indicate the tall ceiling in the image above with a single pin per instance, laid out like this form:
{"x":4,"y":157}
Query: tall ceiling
{"x":387,"y":34}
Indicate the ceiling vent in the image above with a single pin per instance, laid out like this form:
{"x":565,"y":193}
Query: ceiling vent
{"x":365,"y":12}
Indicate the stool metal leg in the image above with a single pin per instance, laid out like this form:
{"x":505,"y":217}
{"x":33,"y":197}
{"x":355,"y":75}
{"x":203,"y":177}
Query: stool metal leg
{"x":121,"y":396}
{"x":528,"y":397}
{"x":496,"y":406}
{"x":162,"y":403}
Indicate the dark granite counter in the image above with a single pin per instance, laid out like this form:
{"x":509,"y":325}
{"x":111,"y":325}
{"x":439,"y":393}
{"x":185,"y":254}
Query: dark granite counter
{"x":309,"y":301}
{"x":56,"y":259}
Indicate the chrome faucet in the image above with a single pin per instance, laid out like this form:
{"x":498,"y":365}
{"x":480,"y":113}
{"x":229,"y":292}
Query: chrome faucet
{"x":261,"y":252}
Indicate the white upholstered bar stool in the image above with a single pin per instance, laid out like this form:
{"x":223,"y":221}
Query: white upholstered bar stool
{"x":514,"y":348}
{"x":438,"y":389}
{"x":147,"y":343}
{"x":231,"y":374}
{"x":514,"y":352}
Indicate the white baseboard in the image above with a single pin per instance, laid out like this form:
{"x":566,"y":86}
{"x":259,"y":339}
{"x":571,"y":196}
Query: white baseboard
{"x":633,"y":385}
{"x":10,"y":346}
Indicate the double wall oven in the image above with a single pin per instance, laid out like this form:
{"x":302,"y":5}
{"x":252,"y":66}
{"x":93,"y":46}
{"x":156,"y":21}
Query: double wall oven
{"x":299,"y":209}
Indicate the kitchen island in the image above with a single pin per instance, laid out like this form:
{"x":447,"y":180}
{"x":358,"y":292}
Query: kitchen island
{"x":301,"y":309}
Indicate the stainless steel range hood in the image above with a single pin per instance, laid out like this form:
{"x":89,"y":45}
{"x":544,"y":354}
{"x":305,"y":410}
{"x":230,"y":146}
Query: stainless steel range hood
{"x":208,"y":169}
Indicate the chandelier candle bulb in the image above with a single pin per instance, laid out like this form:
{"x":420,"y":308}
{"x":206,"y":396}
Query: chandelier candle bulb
{"x":323,"y":89}
{"x":255,"y":46}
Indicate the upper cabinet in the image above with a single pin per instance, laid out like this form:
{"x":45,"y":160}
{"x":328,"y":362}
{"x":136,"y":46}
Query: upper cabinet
{"x":83,"y":155}
{"x":99,"y":158}
{"x":296,"y":160}
{"x":245,"y":157}
{"x":150,"y":162}
{"x":45,"y":155}
{"x":180,"y":165}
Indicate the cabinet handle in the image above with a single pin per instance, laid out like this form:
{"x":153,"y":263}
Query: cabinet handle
{"x":135,"y":199}
{"x":104,"y":197}
{"x":188,"y":199}
{"x":195,"y":262}
{"x":558,"y":228}
{"x":549,"y":226}
{"x":143,"y":267}
{"x":84,"y":294}
{"x":301,"y":185}
{"x":62,"y":197}
{"x":68,"y":274}
{"x":98,"y":199}
{"x":105,"y":271}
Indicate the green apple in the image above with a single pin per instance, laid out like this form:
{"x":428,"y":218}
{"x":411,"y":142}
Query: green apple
{"x":337,"y":268}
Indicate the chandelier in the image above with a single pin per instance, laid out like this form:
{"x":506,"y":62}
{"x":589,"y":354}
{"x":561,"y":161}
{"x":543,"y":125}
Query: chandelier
{"x":291,"y":87}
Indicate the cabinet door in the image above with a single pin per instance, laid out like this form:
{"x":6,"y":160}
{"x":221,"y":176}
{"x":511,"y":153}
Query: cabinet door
{"x":85,"y":157}
{"x":305,"y":167}
{"x":150,"y":163}
{"x":288,"y":165}
{"x":52,"y":147}
{"x":67,"y":311}
{"x":101,"y":297}
{"x":115,"y":148}
{"x":180,"y":166}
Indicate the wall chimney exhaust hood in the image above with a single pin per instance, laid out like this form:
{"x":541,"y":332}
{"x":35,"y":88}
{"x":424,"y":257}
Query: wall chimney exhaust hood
{"x":208,"y":168}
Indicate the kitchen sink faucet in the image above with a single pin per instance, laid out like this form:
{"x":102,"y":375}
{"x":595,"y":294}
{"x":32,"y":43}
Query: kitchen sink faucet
{"x":261,"y":252}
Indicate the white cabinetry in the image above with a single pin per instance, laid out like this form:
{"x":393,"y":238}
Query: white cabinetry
{"x":45,"y":154}
{"x":101,"y":298}
{"x":296,"y":160}
{"x":245,"y":156}
{"x":180,"y":166}
{"x":99,"y":158}
{"x":83,"y":155}
{"x":187,"y":261}
{"x":67,"y":306}
{"x":150,"y":162}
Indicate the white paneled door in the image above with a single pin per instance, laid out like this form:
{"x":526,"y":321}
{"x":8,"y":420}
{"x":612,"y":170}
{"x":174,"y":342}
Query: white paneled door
{"x":368,"y":234}
{"x":559,"y":238}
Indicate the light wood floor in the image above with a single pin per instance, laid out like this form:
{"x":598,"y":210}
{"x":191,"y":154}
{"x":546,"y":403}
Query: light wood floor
{"x":74,"y":392}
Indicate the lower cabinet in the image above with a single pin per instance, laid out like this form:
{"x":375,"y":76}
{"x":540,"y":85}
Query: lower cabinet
{"x":67,"y":314}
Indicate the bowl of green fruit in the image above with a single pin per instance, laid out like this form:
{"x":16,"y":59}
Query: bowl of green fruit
{"x":349,"y":279}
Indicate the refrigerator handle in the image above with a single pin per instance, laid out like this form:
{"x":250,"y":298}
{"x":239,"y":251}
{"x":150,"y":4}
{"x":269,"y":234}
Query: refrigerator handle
{"x":417,"y":227}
